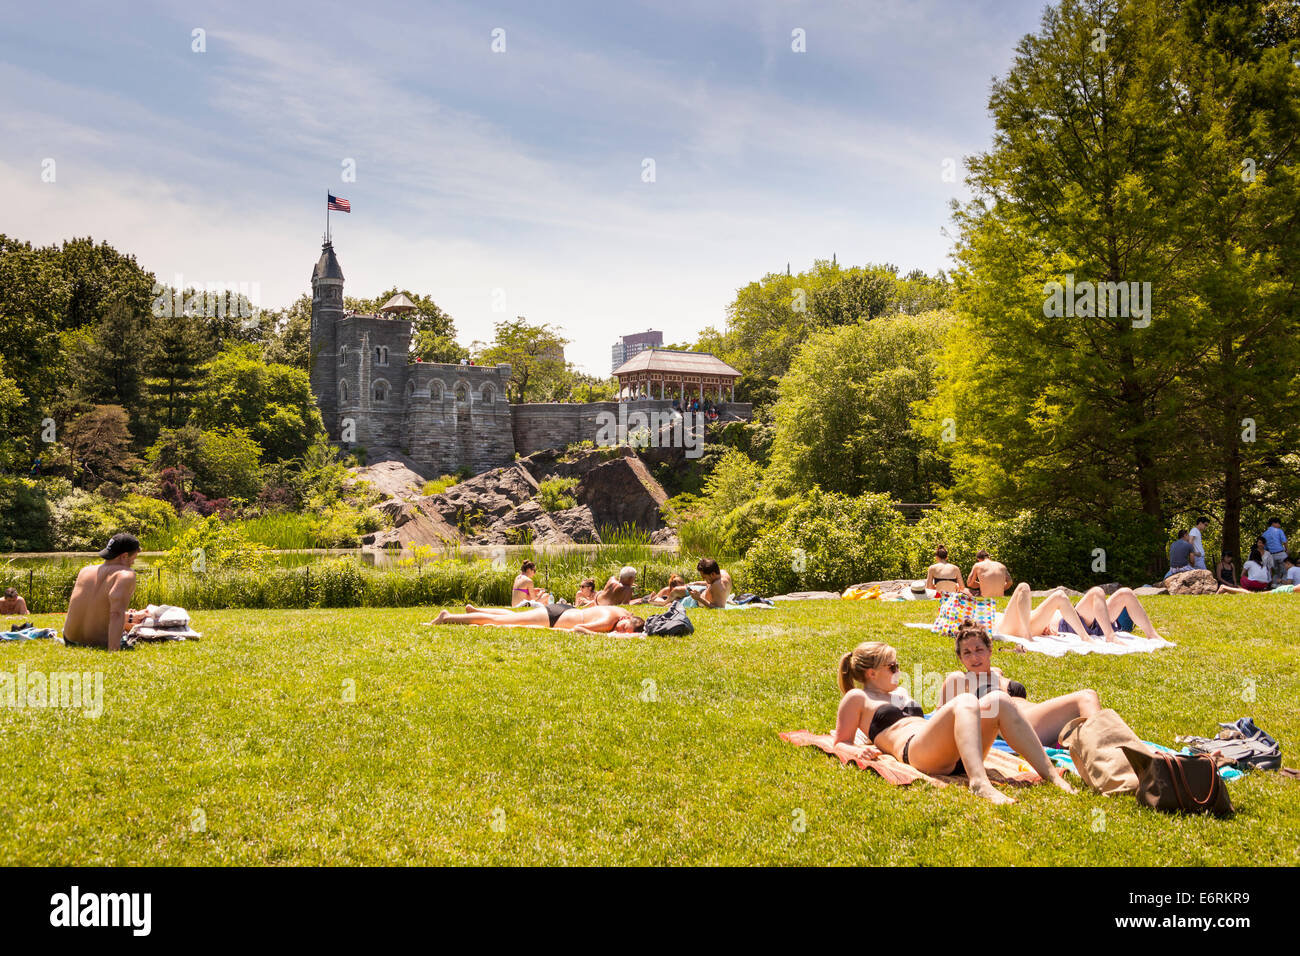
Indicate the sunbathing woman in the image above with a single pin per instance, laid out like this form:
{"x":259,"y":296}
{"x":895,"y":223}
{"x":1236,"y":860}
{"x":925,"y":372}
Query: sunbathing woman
{"x":560,"y":617}
{"x":942,"y":576}
{"x":1095,"y":616}
{"x":954,"y":739}
{"x":676,"y":589}
{"x":974,"y":650}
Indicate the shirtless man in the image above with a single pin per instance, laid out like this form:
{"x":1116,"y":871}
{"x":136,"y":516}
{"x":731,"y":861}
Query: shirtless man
{"x":988,"y":578}
{"x":559,"y":617}
{"x":12,"y":602}
{"x":715,"y":587}
{"x":522,"y":591}
{"x":619,"y":590}
{"x":98,"y":614}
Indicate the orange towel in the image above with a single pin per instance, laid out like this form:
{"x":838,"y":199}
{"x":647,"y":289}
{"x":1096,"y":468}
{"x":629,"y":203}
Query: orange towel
{"x":1002,"y":767}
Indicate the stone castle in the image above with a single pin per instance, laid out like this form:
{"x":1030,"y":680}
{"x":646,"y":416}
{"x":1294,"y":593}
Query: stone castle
{"x":443,"y":417}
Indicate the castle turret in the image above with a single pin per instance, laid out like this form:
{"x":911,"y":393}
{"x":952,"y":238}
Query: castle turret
{"x":326,"y":311}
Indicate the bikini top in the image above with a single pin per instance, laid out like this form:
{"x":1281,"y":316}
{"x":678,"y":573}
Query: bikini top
{"x":1014,"y":687}
{"x":887,"y":715}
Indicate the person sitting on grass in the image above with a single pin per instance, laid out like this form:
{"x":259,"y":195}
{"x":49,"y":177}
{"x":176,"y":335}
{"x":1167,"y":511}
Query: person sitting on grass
{"x":1255,"y":575}
{"x":559,"y":617}
{"x":523,"y":593}
{"x":1095,"y":616}
{"x":954,"y":740}
{"x":715,"y":586}
{"x":12,"y":602}
{"x":99,"y":612}
{"x":988,"y":578}
{"x":1224,"y":573}
{"x":1291,"y":575}
{"x":666,"y":595}
{"x":942,"y":576}
{"x":586,"y":596}
{"x":619,"y":590}
{"x":1048,"y":718}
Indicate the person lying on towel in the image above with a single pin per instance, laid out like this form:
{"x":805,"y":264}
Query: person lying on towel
{"x":954,"y":740}
{"x":1048,"y":718}
{"x":559,"y":617}
{"x":1094,"y":616}
{"x":99,"y":611}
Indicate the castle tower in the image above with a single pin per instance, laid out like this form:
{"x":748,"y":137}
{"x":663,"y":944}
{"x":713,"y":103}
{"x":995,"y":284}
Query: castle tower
{"x":326,"y":311}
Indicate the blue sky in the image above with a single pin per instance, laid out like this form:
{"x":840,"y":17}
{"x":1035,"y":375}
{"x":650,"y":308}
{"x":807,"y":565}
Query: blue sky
{"x":518,"y":171}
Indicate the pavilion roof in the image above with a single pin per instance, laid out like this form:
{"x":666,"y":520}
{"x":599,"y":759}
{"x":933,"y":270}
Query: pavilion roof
{"x":686,"y":363}
{"x":399,"y":303}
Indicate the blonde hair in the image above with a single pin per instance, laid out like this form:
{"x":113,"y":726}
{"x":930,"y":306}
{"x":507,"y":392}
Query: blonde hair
{"x":867,"y":655}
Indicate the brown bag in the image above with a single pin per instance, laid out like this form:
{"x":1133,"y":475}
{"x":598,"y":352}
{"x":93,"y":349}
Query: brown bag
{"x":1178,"y":784}
{"x":1094,"y":744}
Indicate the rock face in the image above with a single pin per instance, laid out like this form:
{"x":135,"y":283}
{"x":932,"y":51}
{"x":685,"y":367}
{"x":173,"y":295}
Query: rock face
{"x":500,"y":506}
{"x":1192,"y":582}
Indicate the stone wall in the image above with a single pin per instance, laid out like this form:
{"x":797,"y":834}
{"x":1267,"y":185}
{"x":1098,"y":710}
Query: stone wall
{"x":457,"y":416}
{"x":540,"y":426}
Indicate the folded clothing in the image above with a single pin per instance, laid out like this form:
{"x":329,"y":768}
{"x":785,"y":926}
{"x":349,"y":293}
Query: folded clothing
{"x":163,"y":622}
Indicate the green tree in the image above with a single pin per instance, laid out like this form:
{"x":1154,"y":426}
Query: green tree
{"x":177,"y":350}
{"x":287,"y":335}
{"x":844,"y":420}
{"x":11,"y":402}
{"x":228,"y":465}
{"x":535,"y":354}
{"x":273,"y":403}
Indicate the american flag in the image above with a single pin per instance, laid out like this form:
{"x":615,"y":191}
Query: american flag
{"x":338,"y":205}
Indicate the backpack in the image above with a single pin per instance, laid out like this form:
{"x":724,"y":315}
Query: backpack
{"x":1253,"y":749}
{"x":672,"y":622}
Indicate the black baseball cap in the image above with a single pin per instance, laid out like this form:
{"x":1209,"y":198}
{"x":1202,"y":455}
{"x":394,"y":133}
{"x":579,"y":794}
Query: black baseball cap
{"x":120,"y":544}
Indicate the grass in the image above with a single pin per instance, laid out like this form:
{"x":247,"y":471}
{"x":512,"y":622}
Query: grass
{"x":553,"y":738}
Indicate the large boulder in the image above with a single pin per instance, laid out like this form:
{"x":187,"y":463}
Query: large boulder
{"x":395,"y":476}
{"x":479,"y":502}
{"x":623,"y":491}
{"x":1196,"y":581}
{"x":411,"y":527}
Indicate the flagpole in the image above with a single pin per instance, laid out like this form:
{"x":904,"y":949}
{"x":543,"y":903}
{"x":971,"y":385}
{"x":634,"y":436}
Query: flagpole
{"x":327,"y":215}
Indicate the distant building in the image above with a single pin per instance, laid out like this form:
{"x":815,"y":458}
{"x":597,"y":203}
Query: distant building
{"x":630,"y":345}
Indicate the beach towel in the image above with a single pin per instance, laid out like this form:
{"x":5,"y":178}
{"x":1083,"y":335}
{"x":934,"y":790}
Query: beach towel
{"x":1002,"y":767}
{"x":1058,"y":645}
{"x":28,"y":634}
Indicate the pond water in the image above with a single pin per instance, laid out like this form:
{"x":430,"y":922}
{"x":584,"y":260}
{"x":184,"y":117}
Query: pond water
{"x":510,"y":554}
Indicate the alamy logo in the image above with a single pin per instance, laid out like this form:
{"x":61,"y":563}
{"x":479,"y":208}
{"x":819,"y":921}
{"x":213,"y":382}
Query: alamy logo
{"x":239,"y":300}
{"x":103,"y":909}
{"x":74,"y":690}
{"x":654,"y":429}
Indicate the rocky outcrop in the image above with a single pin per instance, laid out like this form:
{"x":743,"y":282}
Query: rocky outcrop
{"x":1192,"y":582}
{"x":614,"y":487}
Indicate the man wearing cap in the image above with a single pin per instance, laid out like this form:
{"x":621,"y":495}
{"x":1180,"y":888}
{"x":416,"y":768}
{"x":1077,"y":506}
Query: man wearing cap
{"x":98,"y":611}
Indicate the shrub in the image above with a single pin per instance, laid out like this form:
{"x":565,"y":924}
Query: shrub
{"x":438,"y":485}
{"x":211,"y":545}
{"x":26,"y":517}
{"x":556,"y":494}
{"x":826,"y":542}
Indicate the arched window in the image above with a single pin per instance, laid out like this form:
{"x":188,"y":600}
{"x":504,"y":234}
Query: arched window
{"x":380,"y":391}
{"x":462,"y":393}
{"x":343,"y":391}
{"x":435,"y":391}
{"x":381,"y":354}
{"x":487,"y":393}
{"x":343,"y":355}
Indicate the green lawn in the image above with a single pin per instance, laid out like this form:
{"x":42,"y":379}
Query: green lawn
{"x":469,"y":745}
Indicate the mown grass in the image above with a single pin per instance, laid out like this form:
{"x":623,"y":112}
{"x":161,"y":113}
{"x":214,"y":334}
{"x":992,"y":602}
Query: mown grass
{"x":560,"y":742}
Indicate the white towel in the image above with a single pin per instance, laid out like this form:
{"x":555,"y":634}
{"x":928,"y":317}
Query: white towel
{"x":1058,"y":645}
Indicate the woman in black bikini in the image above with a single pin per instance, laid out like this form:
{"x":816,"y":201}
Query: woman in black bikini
{"x":560,"y":617}
{"x":974,"y":650}
{"x":953,"y":740}
{"x":942,"y":576}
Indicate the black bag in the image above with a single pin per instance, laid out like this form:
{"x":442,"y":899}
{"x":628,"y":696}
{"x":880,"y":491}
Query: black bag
{"x":1178,"y":784}
{"x":672,"y":622}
